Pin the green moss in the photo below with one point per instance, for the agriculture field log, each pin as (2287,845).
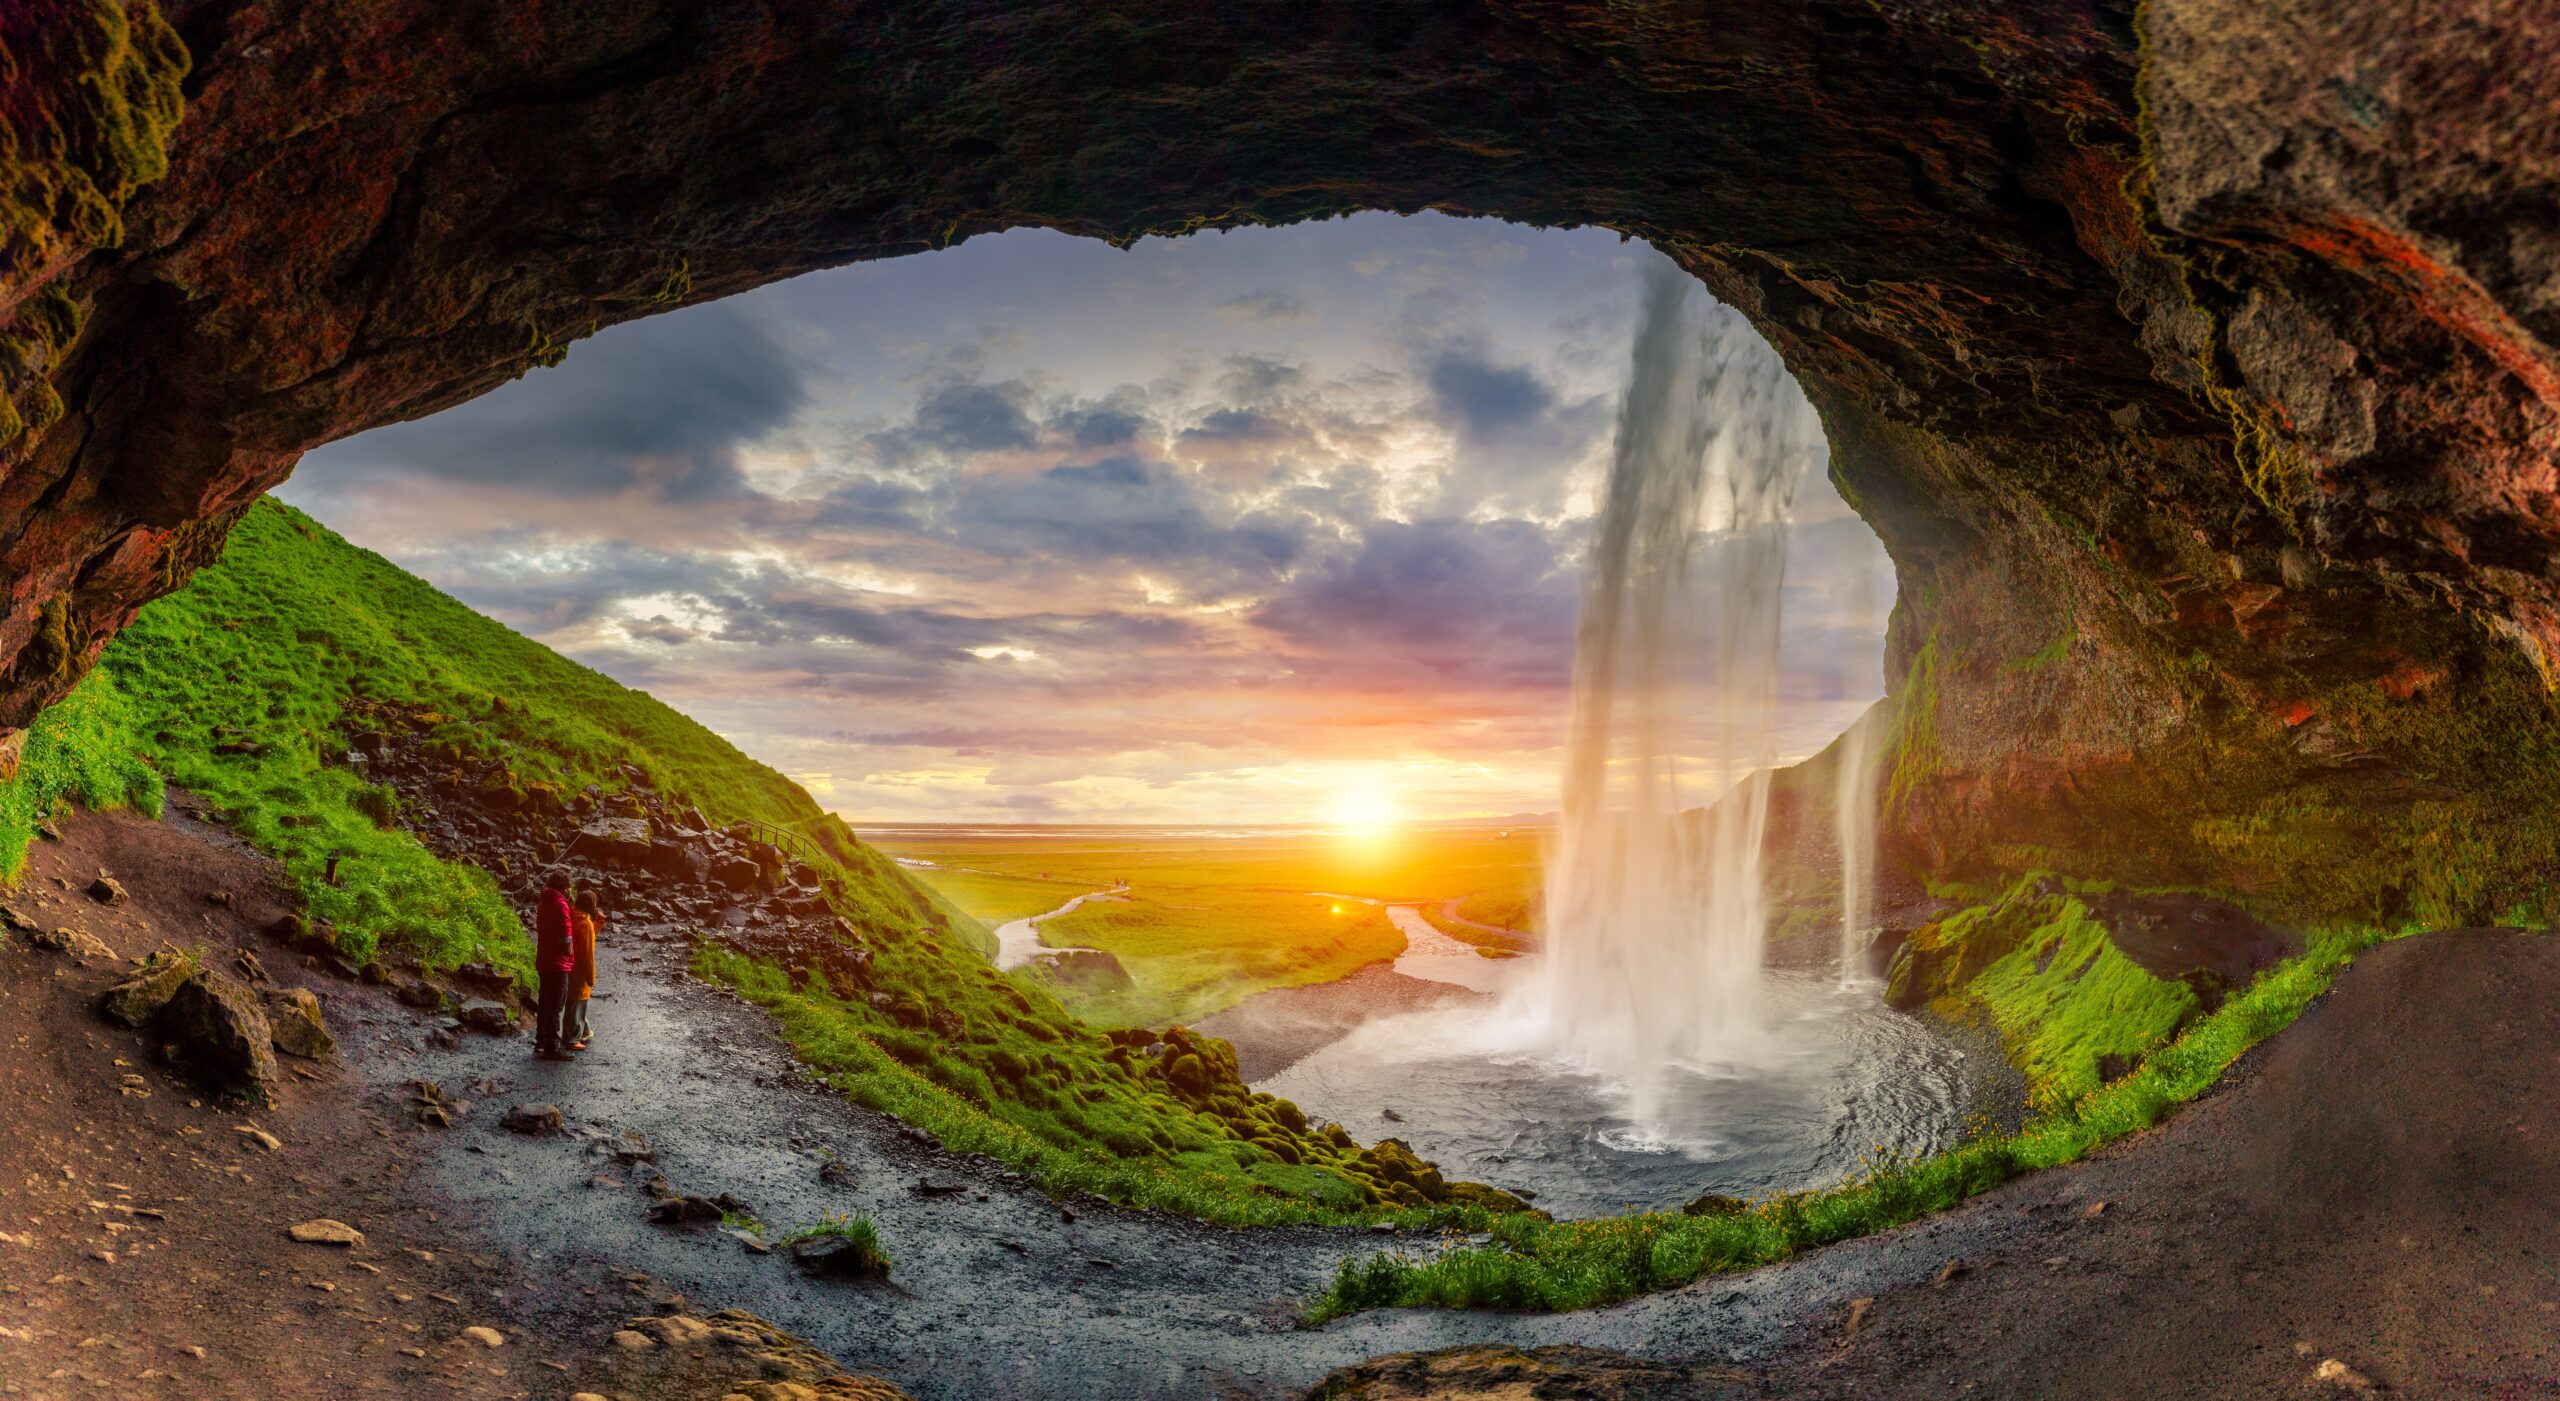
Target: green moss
(102,81)
(1914,760)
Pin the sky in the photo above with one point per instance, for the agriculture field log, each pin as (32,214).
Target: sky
(1264,526)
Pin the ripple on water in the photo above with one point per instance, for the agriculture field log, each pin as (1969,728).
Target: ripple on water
(1837,1077)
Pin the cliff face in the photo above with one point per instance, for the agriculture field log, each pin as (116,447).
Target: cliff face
(2197,365)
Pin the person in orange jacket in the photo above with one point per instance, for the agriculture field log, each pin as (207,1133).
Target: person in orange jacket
(582,973)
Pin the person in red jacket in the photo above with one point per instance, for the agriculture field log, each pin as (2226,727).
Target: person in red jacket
(553,958)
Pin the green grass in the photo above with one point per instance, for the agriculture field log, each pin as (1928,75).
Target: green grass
(1211,921)
(2054,986)
(1063,1110)
(1189,961)
(1532,1264)
(79,751)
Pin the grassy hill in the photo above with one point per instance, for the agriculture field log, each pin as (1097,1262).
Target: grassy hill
(248,685)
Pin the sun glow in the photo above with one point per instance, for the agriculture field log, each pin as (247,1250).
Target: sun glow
(1364,810)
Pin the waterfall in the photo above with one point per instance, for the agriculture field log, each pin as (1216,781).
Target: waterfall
(1854,800)
(1656,915)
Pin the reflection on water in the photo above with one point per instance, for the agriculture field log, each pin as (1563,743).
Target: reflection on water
(1834,1077)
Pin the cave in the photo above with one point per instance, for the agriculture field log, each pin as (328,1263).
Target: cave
(2194,361)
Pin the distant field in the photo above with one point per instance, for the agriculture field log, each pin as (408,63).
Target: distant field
(1212,920)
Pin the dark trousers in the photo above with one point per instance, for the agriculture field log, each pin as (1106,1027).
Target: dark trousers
(555,1001)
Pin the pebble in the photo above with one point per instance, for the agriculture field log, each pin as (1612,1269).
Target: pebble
(324,1231)
(484,1335)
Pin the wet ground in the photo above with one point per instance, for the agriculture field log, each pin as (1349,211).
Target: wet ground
(996,1292)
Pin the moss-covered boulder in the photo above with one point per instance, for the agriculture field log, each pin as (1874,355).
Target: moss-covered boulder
(138,999)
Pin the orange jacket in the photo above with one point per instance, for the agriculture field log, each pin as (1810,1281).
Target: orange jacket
(582,944)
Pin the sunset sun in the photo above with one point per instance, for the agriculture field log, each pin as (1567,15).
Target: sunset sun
(1365,810)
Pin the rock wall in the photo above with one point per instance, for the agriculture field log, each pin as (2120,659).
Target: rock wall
(2194,360)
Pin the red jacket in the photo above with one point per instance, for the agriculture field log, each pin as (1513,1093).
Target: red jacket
(551,950)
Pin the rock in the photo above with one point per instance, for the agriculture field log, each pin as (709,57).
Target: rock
(484,1335)
(219,899)
(2334,1373)
(434,1116)
(1950,1272)
(683,1211)
(259,1136)
(482,1015)
(754,1243)
(836,1257)
(1715,1204)
(48,831)
(834,1173)
(631,1340)
(417,993)
(295,1024)
(623,842)
(326,1231)
(245,962)
(934,1187)
(136,1000)
(1391,1116)
(534,1119)
(78,943)
(220,1033)
(487,979)
(106,891)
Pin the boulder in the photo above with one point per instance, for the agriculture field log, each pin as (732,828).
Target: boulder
(487,979)
(79,943)
(839,1257)
(219,1033)
(736,872)
(1716,1204)
(295,1024)
(677,860)
(483,1015)
(139,998)
(613,842)
(106,891)
(534,1119)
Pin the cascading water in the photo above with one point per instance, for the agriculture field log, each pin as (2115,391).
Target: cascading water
(1656,915)
(1646,1056)
(1854,803)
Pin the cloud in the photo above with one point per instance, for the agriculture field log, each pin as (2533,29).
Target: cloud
(627,411)
(1482,398)
(1268,307)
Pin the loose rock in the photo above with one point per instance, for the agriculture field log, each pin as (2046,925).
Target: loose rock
(325,1231)
(106,891)
(295,1024)
(484,1335)
(534,1119)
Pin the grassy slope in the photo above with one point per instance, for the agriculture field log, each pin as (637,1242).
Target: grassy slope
(264,652)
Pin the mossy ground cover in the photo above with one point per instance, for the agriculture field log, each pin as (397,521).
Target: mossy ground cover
(2044,973)
(1210,921)
(1532,1264)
